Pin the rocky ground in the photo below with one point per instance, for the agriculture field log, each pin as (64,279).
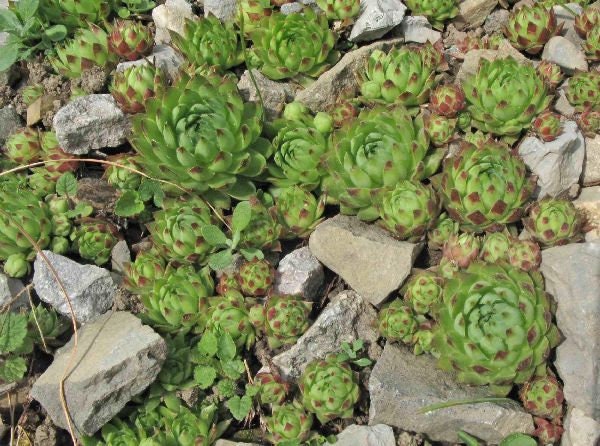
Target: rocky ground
(346,270)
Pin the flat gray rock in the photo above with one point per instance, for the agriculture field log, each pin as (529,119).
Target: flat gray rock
(10,121)
(170,16)
(378,435)
(223,9)
(12,293)
(376,18)
(572,276)
(300,273)
(90,122)
(116,358)
(564,53)
(366,256)
(162,56)
(580,430)
(91,289)
(474,12)
(401,384)
(591,169)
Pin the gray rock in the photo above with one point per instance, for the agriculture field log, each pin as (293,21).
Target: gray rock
(274,94)
(572,276)
(120,256)
(12,293)
(340,81)
(588,202)
(300,273)
(494,23)
(90,122)
(378,435)
(366,256)
(472,58)
(46,434)
(401,384)
(10,121)
(345,319)
(376,18)
(557,164)
(223,9)
(564,53)
(567,19)
(162,56)
(222,442)
(580,430)
(91,289)
(170,16)
(116,358)
(591,168)
(417,29)
(474,12)
(563,106)
(290,8)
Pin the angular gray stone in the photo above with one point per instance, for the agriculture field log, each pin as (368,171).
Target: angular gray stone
(12,292)
(90,122)
(274,94)
(378,435)
(367,257)
(222,442)
(591,168)
(474,12)
(340,81)
(401,384)
(562,104)
(345,319)
(116,358)
(417,29)
(300,273)
(588,202)
(120,256)
(580,430)
(572,276)
(558,164)
(564,53)
(494,23)
(162,56)
(376,18)
(91,289)
(290,8)
(567,19)
(170,16)
(10,121)
(223,9)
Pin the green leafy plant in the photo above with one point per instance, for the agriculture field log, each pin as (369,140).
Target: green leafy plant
(130,7)
(14,341)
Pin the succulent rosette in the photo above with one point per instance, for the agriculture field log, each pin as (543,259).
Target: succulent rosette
(440,129)
(543,397)
(462,249)
(423,338)
(177,370)
(252,12)
(403,75)
(121,177)
(52,151)
(285,319)
(495,246)
(89,48)
(94,239)
(441,231)
(17,266)
(23,146)
(546,431)
(494,326)
(133,86)
(437,11)
(255,277)
(272,389)
(263,231)
(591,45)
(201,132)
(585,21)
(373,153)
(339,9)
(177,230)
(583,90)
(530,27)
(179,300)
(504,96)
(397,322)
(292,45)
(409,209)
(423,291)
(550,73)
(525,254)
(485,188)
(229,314)
(289,422)
(447,100)
(553,221)
(298,211)
(74,13)
(209,42)
(130,40)
(329,389)
(299,156)
(141,274)
(589,123)
(343,112)
(547,126)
